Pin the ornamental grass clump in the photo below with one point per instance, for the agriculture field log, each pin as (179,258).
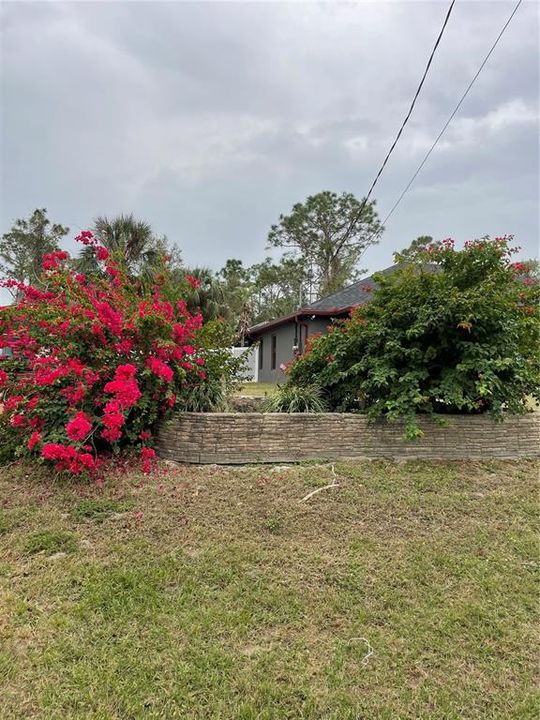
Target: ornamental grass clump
(295,399)
(97,361)
(457,331)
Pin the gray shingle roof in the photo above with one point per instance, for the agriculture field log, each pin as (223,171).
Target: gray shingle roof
(355,294)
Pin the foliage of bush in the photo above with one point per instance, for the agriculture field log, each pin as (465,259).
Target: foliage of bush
(296,399)
(454,332)
(98,360)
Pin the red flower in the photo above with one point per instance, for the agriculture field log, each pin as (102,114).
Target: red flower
(125,372)
(102,253)
(78,428)
(112,434)
(124,347)
(193,281)
(124,386)
(86,238)
(113,420)
(3,378)
(159,368)
(74,395)
(148,455)
(35,438)
(67,458)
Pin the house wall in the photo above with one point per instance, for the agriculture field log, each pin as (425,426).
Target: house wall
(258,438)
(285,339)
(285,336)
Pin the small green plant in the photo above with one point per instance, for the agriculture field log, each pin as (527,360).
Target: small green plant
(99,509)
(296,399)
(50,542)
(273,525)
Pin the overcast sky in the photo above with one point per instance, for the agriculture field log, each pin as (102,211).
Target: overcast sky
(209,119)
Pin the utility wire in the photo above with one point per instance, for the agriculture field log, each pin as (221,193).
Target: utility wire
(403,124)
(447,123)
(417,93)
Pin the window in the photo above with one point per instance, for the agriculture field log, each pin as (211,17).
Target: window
(261,354)
(274,347)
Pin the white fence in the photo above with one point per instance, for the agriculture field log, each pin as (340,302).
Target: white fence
(251,365)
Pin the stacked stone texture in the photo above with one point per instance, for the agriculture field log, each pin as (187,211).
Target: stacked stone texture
(236,438)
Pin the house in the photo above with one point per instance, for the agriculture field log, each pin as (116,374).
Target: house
(280,340)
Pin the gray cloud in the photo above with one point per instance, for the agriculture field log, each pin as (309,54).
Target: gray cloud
(209,119)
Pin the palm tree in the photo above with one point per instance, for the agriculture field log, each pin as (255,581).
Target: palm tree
(130,240)
(208,298)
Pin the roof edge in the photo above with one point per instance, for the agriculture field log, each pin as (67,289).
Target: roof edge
(298,315)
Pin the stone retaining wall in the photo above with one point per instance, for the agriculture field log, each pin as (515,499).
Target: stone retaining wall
(235,438)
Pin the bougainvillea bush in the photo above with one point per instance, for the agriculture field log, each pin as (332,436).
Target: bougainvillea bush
(96,361)
(457,331)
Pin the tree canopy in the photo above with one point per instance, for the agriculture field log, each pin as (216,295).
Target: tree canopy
(23,247)
(328,234)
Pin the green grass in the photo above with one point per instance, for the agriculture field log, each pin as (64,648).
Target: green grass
(213,593)
(49,542)
(100,508)
(254,389)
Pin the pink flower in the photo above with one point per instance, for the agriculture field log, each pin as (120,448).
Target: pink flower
(3,378)
(102,253)
(78,428)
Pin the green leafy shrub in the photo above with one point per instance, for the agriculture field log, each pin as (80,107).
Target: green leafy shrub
(455,332)
(296,399)
(222,370)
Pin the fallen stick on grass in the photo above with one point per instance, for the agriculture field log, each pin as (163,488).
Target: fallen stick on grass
(370,650)
(333,484)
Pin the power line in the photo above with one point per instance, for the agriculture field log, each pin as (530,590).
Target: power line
(447,123)
(403,124)
(417,93)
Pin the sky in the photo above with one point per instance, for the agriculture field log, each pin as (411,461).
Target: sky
(210,119)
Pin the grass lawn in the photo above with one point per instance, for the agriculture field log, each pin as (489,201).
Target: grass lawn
(254,389)
(210,593)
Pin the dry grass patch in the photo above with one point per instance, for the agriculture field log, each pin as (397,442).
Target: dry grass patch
(409,591)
